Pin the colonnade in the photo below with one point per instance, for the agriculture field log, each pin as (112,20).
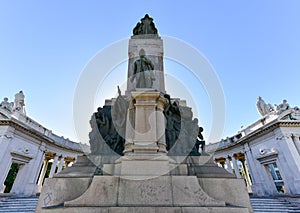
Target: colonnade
(58,162)
(230,163)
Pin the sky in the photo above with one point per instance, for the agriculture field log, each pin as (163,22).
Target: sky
(253,46)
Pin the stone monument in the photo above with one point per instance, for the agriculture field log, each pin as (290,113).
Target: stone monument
(144,151)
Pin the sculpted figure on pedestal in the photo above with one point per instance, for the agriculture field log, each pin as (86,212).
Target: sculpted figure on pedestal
(295,114)
(282,107)
(200,144)
(6,105)
(146,26)
(173,124)
(19,102)
(181,130)
(143,71)
(119,115)
(262,107)
(111,122)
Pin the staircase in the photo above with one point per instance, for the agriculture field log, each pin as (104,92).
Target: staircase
(18,204)
(267,205)
(274,205)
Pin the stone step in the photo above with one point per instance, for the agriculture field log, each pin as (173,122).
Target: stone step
(273,205)
(19,204)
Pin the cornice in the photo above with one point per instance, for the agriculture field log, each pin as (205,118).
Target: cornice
(35,134)
(260,132)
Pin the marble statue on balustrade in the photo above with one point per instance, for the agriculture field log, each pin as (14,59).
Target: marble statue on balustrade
(19,102)
(262,107)
(295,114)
(146,26)
(282,107)
(143,73)
(7,105)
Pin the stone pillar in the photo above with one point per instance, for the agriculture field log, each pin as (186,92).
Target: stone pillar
(61,163)
(6,139)
(42,174)
(247,177)
(290,171)
(221,161)
(236,168)
(297,142)
(69,160)
(145,131)
(229,168)
(146,154)
(254,171)
(53,167)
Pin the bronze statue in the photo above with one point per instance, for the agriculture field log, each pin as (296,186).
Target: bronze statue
(143,71)
(146,26)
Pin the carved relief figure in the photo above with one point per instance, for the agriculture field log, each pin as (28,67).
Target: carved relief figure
(143,71)
(173,124)
(181,130)
(111,122)
(119,115)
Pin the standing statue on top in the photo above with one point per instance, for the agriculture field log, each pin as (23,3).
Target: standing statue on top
(19,104)
(143,71)
(262,107)
(146,26)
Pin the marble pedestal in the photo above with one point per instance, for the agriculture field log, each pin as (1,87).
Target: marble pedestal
(179,191)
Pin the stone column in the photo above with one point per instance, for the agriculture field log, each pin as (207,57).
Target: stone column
(221,161)
(290,171)
(229,168)
(6,139)
(254,171)
(61,163)
(42,174)
(236,168)
(53,167)
(69,160)
(297,143)
(247,177)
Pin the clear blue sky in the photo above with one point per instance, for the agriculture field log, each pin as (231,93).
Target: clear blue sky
(254,47)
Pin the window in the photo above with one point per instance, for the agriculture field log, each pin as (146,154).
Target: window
(276,177)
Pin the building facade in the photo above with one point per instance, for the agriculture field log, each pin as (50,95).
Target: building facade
(29,151)
(266,153)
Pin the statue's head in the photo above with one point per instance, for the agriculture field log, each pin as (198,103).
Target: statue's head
(5,99)
(142,53)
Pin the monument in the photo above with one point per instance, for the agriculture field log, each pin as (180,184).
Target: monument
(145,151)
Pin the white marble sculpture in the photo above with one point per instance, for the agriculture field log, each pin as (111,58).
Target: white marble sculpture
(262,107)
(6,105)
(19,102)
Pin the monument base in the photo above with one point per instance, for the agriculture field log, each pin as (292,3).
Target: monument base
(83,209)
(179,191)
